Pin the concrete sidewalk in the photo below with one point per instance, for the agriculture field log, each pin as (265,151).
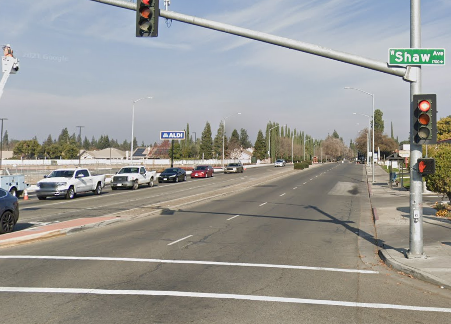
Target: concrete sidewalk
(391,213)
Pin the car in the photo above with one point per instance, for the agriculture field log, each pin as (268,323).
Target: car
(202,171)
(280,163)
(132,177)
(9,211)
(172,175)
(235,167)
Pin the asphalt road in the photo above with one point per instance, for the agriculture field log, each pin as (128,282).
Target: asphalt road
(297,249)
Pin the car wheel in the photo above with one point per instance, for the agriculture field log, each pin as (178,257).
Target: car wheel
(184,178)
(151,182)
(70,194)
(135,185)
(98,189)
(42,197)
(159,181)
(13,192)
(176,179)
(7,222)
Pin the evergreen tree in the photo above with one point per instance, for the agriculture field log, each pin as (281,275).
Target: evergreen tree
(64,136)
(244,139)
(206,144)
(260,146)
(378,121)
(86,144)
(218,141)
(5,141)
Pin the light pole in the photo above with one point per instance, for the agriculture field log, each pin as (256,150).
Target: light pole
(292,145)
(372,153)
(367,138)
(79,153)
(270,140)
(1,144)
(133,123)
(223,137)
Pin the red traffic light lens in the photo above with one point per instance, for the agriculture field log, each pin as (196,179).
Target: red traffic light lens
(146,2)
(424,105)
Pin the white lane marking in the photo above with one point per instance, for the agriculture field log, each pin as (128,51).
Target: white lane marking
(180,240)
(311,179)
(282,194)
(263,204)
(295,188)
(232,217)
(221,296)
(256,265)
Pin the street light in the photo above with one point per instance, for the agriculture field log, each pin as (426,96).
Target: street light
(372,153)
(367,138)
(223,138)
(1,143)
(270,140)
(133,123)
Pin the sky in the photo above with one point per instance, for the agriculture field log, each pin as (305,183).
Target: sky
(81,65)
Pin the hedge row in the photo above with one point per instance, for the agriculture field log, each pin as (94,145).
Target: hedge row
(302,165)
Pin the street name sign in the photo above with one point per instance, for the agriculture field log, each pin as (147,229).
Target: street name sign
(416,56)
(172,135)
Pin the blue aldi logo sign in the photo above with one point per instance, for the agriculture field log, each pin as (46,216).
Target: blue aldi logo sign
(172,135)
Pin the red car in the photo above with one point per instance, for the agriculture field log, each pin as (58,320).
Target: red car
(202,171)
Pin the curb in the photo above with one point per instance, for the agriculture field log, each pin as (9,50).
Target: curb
(418,274)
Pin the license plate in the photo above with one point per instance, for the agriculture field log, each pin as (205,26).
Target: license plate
(165,178)
(119,184)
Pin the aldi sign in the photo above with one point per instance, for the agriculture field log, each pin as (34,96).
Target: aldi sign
(172,135)
(416,56)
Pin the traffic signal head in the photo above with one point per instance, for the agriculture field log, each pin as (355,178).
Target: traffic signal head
(147,13)
(426,166)
(424,119)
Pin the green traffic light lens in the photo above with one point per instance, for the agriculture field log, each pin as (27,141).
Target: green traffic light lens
(424,133)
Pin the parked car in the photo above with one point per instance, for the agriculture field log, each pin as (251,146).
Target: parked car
(132,177)
(202,171)
(9,211)
(69,182)
(235,167)
(280,163)
(172,175)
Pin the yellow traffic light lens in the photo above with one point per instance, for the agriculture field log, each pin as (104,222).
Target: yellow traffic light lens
(424,105)
(424,119)
(145,12)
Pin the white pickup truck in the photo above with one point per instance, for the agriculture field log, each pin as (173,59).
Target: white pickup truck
(132,177)
(69,182)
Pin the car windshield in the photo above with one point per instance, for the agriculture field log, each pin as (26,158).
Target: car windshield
(61,174)
(279,161)
(128,170)
(201,167)
(170,170)
(234,164)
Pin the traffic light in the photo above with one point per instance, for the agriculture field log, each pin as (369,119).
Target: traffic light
(424,119)
(426,166)
(147,13)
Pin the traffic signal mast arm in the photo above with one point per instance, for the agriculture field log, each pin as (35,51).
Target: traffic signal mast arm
(275,40)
